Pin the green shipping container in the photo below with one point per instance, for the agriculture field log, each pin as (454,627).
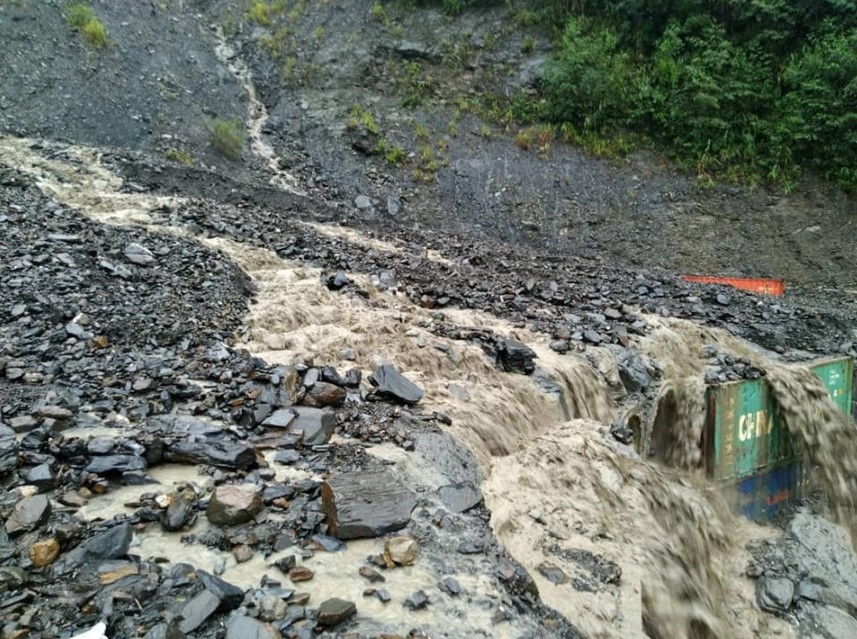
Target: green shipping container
(742,433)
(837,375)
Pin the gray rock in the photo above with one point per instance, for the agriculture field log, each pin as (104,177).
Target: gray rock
(230,596)
(317,424)
(394,205)
(384,595)
(110,544)
(460,498)
(515,357)
(552,573)
(775,594)
(362,202)
(282,418)
(367,503)
(196,611)
(138,254)
(633,372)
(833,623)
(592,337)
(824,550)
(111,464)
(334,611)
(8,450)
(11,578)
(41,476)
(559,345)
(166,631)
(243,627)
(391,383)
(180,512)
(23,423)
(450,586)
(28,514)
(416,601)
(224,454)
(288,456)
(234,505)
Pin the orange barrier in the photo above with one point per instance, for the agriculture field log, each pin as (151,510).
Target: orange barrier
(768,287)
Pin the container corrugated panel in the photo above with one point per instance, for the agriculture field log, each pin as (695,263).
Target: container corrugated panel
(763,494)
(743,434)
(837,375)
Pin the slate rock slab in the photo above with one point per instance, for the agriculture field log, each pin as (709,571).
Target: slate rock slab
(391,383)
(366,504)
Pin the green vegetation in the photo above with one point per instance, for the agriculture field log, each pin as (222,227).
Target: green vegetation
(393,155)
(177,155)
(363,117)
(82,19)
(737,90)
(378,13)
(259,12)
(227,136)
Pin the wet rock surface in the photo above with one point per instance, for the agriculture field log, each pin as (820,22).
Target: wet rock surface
(810,576)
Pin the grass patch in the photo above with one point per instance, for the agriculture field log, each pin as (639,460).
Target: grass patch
(81,18)
(359,116)
(227,136)
(177,155)
(393,155)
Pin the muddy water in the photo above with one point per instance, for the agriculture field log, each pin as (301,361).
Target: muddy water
(829,439)
(680,556)
(257,117)
(555,484)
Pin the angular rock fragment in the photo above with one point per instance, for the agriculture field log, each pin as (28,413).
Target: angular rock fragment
(367,503)
(391,383)
(215,453)
(461,497)
(515,357)
(316,424)
(323,394)
(234,505)
(243,627)
(112,464)
(110,544)
(28,514)
(334,611)
(230,596)
(401,551)
(197,611)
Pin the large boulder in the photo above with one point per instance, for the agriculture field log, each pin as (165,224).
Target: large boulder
(366,503)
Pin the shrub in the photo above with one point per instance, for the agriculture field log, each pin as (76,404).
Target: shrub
(78,15)
(82,19)
(227,136)
(259,12)
(96,33)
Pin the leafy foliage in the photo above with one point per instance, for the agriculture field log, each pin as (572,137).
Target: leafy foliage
(739,89)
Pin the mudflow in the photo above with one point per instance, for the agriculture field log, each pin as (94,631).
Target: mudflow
(563,500)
